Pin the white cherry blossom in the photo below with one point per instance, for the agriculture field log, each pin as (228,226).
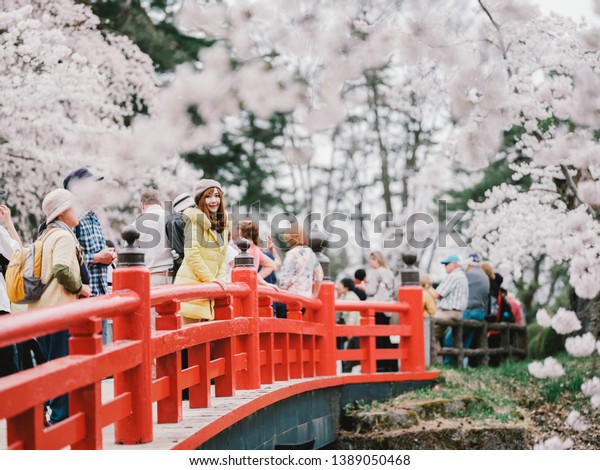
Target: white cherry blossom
(550,368)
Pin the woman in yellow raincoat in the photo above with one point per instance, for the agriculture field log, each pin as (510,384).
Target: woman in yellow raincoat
(207,231)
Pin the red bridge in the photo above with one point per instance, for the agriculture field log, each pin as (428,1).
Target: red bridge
(254,381)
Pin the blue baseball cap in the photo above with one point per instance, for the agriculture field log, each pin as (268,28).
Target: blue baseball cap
(80,174)
(450,259)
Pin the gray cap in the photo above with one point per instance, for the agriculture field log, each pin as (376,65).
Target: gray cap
(182,202)
(203,185)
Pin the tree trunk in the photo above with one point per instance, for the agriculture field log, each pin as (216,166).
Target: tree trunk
(383,152)
(410,167)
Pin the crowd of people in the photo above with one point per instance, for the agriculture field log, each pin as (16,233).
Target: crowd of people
(192,241)
(74,264)
(470,291)
(375,284)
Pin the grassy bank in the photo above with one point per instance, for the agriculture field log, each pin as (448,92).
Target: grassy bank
(509,394)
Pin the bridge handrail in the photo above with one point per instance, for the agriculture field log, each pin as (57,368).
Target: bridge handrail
(288,297)
(364,306)
(22,326)
(244,348)
(195,291)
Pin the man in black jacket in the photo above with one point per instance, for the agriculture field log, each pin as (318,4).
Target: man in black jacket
(175,226)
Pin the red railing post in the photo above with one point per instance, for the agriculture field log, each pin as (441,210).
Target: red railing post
(87,339)
(297,350)
(309,348)
(225,349)
(294,311)
(199,356)
(169,409)
(249,378)
(412,345)
(326,344)
(267,346)
(25,431)
(136,428)
(281,349)
(368,365)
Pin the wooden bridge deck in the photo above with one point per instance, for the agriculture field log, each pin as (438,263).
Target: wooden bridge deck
(169,435)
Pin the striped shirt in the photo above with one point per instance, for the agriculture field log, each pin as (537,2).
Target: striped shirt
(454,291)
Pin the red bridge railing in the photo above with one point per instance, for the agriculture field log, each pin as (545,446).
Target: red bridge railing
(243,348)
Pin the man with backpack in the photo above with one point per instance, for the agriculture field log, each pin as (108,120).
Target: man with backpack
(151,225)
(175,228)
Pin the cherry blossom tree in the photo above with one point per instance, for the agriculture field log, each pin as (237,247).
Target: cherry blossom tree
(504,66)
(323,65)
(71,95)
(66,92)
(552,68)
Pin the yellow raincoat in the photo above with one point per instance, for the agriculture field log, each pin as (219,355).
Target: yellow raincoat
(204,260)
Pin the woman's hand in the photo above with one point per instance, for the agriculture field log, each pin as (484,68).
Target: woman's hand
(5,215)
(270,244)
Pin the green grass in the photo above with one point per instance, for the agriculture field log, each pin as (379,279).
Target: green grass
(506,391)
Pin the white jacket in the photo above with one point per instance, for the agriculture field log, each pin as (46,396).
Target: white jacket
(7,247)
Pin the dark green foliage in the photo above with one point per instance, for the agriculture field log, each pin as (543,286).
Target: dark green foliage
(533,335)
(533,346)
(494,175)
(550,342)
(571,383)
(244,160)
(161,40)
(545,343)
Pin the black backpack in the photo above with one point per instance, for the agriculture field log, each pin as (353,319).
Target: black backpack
(3,264)
(175,230)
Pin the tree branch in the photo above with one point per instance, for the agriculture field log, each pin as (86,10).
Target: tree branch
(573,189)
(503,48)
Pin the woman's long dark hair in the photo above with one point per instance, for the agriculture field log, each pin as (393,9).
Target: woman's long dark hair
(218,220)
